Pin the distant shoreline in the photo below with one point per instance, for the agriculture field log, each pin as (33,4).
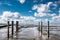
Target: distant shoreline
(3,26)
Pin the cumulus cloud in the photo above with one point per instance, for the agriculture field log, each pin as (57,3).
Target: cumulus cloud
(41,7)
(9,16)
(21,1)
(55,20)
(43,10)
(15,16)
(57,17)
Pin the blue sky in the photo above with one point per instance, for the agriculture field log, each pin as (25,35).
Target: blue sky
(35,10)
(23,8)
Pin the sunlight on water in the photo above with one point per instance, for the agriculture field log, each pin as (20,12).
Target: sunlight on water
(28,33)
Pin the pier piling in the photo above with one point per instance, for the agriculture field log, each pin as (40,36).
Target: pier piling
(48,29)
(8,30)
(41,28)
(16,26)
(12,28)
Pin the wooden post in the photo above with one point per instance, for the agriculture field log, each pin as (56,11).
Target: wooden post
(12,28)
(48,29)
(16,26)
(8,30)
(41,28)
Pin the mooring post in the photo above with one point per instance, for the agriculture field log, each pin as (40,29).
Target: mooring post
(12,28)
(48,29)
(41,28)
(16,26)
(8,30)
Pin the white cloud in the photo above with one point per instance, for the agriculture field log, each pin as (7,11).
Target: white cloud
(55,20)
(21,1)
(39,14)
(52,15)
(57,17)
(42,10)
(50,3)
(34,7)
(9,14)
(5,3)
(42,7)
(28,18)
(15,16)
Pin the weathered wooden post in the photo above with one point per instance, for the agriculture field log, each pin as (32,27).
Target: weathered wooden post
(12,28)
(8,30)
(48,29)
(16,26)
(41,28)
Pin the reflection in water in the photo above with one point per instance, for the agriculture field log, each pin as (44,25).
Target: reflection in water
(26,34)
